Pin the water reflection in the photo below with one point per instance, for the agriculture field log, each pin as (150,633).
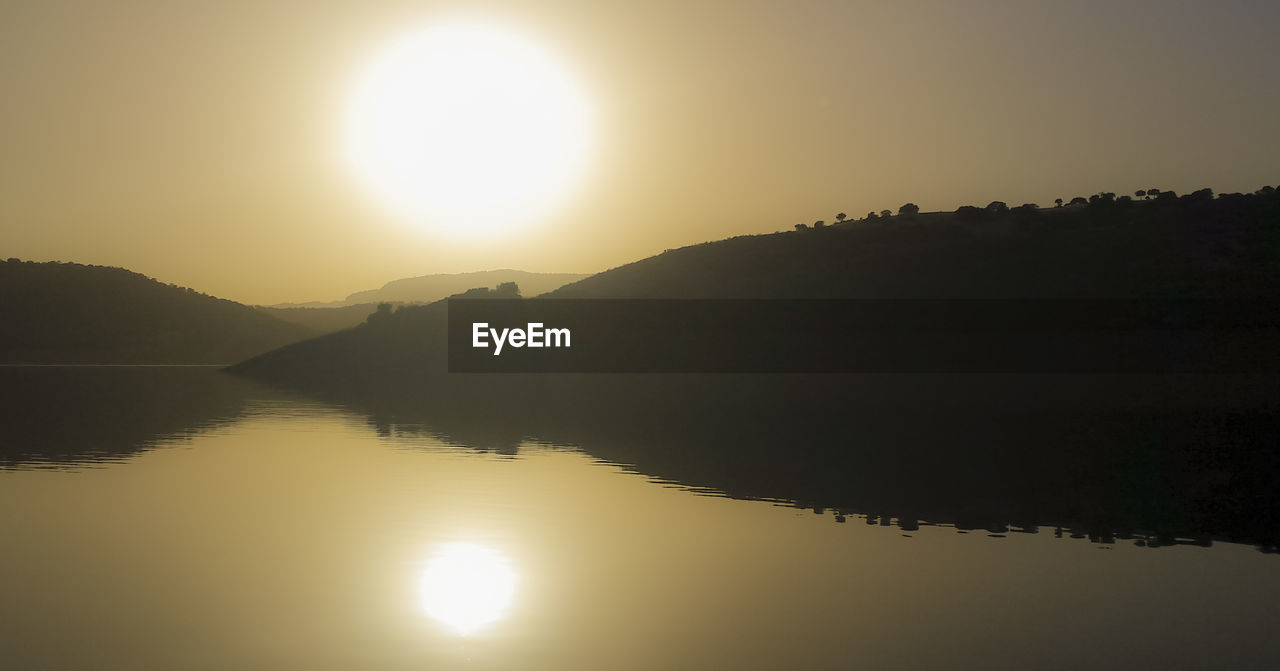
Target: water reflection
(1159,460)
(1155,473)
(305,538)
(467,586)
(61,417)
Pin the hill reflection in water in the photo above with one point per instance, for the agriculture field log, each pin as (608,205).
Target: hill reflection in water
(1155,459)
(75,416)
(997,455)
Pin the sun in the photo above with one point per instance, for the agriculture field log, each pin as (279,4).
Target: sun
(466,586)
(468,128)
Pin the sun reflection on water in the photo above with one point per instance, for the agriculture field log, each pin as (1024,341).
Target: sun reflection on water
(466,586)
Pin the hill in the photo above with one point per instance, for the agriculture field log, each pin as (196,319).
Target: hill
(71,313)
(1196,246)
(1193,246)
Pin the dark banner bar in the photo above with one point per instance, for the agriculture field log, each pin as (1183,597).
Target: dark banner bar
(862,336)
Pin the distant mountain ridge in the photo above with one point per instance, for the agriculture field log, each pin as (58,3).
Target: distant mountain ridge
(431,288)
(69,313)
(319,319)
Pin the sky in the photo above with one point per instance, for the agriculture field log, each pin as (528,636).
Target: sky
(200,143)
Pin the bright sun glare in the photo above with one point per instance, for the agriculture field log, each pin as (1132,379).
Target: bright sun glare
(467,586)
(468,128)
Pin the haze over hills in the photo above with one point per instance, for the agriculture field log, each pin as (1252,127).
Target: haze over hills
(321,317)
(429,288)
(320,320)
(68,313)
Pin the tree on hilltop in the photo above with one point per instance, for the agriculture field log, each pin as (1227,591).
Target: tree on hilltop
(380,315)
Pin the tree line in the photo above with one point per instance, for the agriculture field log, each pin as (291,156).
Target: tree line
(1101,201)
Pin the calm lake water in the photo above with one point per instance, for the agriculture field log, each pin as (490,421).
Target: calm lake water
(164,518)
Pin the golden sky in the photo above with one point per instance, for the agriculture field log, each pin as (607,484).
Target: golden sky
(199,142)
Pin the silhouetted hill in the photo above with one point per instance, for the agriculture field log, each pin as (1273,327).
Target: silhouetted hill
(1193,246)
(72,313)
(1189,247)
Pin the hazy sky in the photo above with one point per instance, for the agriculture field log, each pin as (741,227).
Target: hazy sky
(199,143)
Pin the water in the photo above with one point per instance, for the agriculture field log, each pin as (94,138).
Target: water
(179,518)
